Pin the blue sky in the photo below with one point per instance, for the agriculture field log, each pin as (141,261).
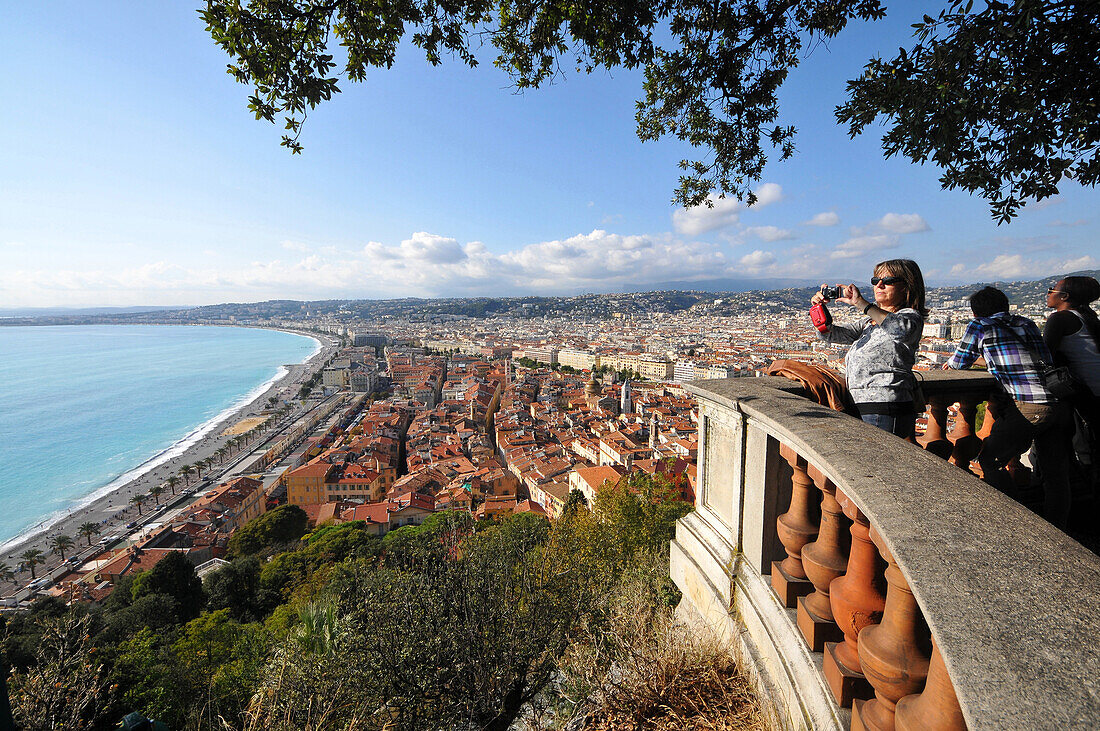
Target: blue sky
(132,173)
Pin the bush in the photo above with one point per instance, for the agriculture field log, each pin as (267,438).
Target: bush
(283,525)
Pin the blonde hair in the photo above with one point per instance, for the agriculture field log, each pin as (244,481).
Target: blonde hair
(913,280)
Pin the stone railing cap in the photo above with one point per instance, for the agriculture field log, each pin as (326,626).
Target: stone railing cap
(1013,603)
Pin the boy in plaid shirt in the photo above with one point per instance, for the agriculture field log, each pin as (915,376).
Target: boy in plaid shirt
(1013,351)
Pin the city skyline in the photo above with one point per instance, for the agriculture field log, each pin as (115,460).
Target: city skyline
(136,176)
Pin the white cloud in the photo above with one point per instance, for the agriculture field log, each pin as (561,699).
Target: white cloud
(757,259)
(1082,262)
(1003,266)
(1045,203)
(861,245)
(1068,224)
(902,223)
(427,247)
(767,194)
(1016,266)
(424,264)
(721,212)
(893,223)
(770,233)
(296,246)
(827,218)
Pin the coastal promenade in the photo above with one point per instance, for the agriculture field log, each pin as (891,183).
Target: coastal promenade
(117,517)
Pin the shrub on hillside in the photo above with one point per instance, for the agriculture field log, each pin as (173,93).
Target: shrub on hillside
(283,525)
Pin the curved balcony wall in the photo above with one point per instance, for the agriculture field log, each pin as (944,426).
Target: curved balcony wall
(964,609)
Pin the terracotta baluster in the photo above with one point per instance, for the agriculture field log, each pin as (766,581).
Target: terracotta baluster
(823,560)
(935,435)
(967,443)
(857,600)
(894,653)
(1019,474)
(936,708)
(796,528)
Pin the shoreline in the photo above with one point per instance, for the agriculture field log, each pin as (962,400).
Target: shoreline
(100,507)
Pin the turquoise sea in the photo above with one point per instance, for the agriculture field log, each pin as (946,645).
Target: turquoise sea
(83,407)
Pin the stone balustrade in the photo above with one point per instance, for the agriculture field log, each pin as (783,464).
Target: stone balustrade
(870,583)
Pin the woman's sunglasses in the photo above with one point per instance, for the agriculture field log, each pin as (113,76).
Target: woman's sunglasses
(885,281)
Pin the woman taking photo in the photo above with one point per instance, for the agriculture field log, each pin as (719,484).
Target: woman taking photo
(1072,333)
(879,365)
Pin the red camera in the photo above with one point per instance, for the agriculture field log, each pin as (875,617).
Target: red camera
(821,317)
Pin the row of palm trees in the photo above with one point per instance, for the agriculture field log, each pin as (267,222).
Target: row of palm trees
(231,447)
(61,544)
(33,557)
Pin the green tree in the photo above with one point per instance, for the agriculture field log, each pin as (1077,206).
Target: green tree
(173,576)
(31,558)
(66,686)
(284,524)
(235,588)
(1000,97)
(641,510)
(462,642)
(172,482)
(142,672)
(7,573)
(217,664)
(60,544)
(155,492)
(127,616)
(89,529)
(139,500)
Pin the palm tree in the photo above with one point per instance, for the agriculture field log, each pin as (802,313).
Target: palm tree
(31,558)
(198,466)
(6,572)
(139,500)
(156,491)
(186,471)
(220,452)
(172,482)
(60,544)
(88,530)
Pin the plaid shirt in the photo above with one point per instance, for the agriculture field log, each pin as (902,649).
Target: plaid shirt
(1013,350)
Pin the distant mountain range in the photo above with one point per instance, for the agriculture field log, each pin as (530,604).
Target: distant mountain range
(741,295)
(77,311)
(721,285)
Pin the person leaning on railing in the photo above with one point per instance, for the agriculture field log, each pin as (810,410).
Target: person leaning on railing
(879,365)
(1014,352)
(1072,334)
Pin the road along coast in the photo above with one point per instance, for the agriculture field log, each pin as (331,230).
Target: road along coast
(110,508)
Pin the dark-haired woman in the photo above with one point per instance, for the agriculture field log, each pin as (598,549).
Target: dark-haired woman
(879,365)
(1072,333)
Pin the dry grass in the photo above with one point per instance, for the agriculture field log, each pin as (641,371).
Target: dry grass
(649,672)
(694,685)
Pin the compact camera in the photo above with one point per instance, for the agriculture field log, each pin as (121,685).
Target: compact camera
(832,293)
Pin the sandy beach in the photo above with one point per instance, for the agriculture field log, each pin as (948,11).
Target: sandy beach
(112,512)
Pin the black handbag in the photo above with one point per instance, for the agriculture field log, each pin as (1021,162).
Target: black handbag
(1059,381)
